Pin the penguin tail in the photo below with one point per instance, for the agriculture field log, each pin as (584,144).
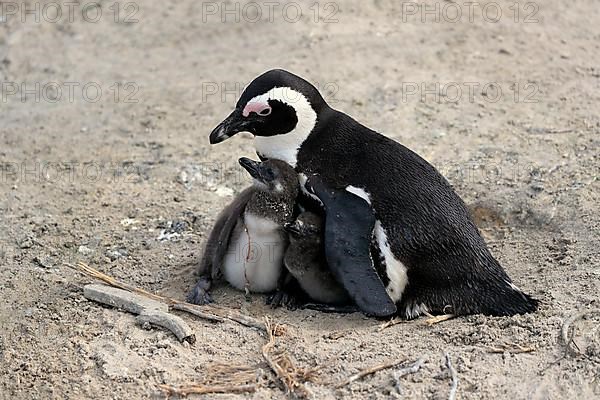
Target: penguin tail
(511,300)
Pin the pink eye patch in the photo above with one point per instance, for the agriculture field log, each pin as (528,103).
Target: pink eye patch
(257,107)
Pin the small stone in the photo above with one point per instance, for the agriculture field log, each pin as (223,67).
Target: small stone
(114,255)
(179,226)
(223,191)
(128,222)
(42,262)
(84,250)
(537,187)
(25,243)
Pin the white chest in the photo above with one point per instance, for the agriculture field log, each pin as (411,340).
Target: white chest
(281,147)
(254,259)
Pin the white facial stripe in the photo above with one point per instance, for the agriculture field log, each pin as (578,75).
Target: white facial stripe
(285,146)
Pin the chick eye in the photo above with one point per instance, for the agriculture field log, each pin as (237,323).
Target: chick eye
(264,112)
(270,174)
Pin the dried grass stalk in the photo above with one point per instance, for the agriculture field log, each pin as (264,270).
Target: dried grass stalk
(280,363)
(514,348)
(203,389)
(368,371)
(221,378)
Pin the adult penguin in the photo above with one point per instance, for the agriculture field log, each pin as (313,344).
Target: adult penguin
(434,258)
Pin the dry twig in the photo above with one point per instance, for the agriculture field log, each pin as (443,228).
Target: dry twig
(567,337)
(567,333)
(432,320)
(454,376)
(411,369)
(368,371)
(189,308)
(235,316)
(514,348)
(391,322)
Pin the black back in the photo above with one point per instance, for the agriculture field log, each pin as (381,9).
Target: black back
(429,228)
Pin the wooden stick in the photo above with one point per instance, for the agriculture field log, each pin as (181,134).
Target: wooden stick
(218,314)
(566,336)
(202,389)
(453,374)
(123,299)
(89,271)
(197,312)
(148,310)
(170,322)
(210,312)
(368,371)
(241,319)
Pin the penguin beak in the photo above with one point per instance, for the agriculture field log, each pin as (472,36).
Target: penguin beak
(230,126)
(253,167)
(292,227)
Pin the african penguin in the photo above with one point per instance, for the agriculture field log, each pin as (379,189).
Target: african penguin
(247,242)
(435,258)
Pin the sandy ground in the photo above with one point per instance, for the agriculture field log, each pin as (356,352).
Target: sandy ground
(128,183)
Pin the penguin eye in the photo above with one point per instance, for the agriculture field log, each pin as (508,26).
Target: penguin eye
(270,174)
(264,112)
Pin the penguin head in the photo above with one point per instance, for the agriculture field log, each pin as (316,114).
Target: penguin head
(307,226)
(274,176)
(280,109)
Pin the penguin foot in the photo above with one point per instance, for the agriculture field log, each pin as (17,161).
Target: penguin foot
(200,293)
(282,298)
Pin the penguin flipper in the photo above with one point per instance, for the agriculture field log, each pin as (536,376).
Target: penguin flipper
(218,240)
(349,223)
(217,245)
